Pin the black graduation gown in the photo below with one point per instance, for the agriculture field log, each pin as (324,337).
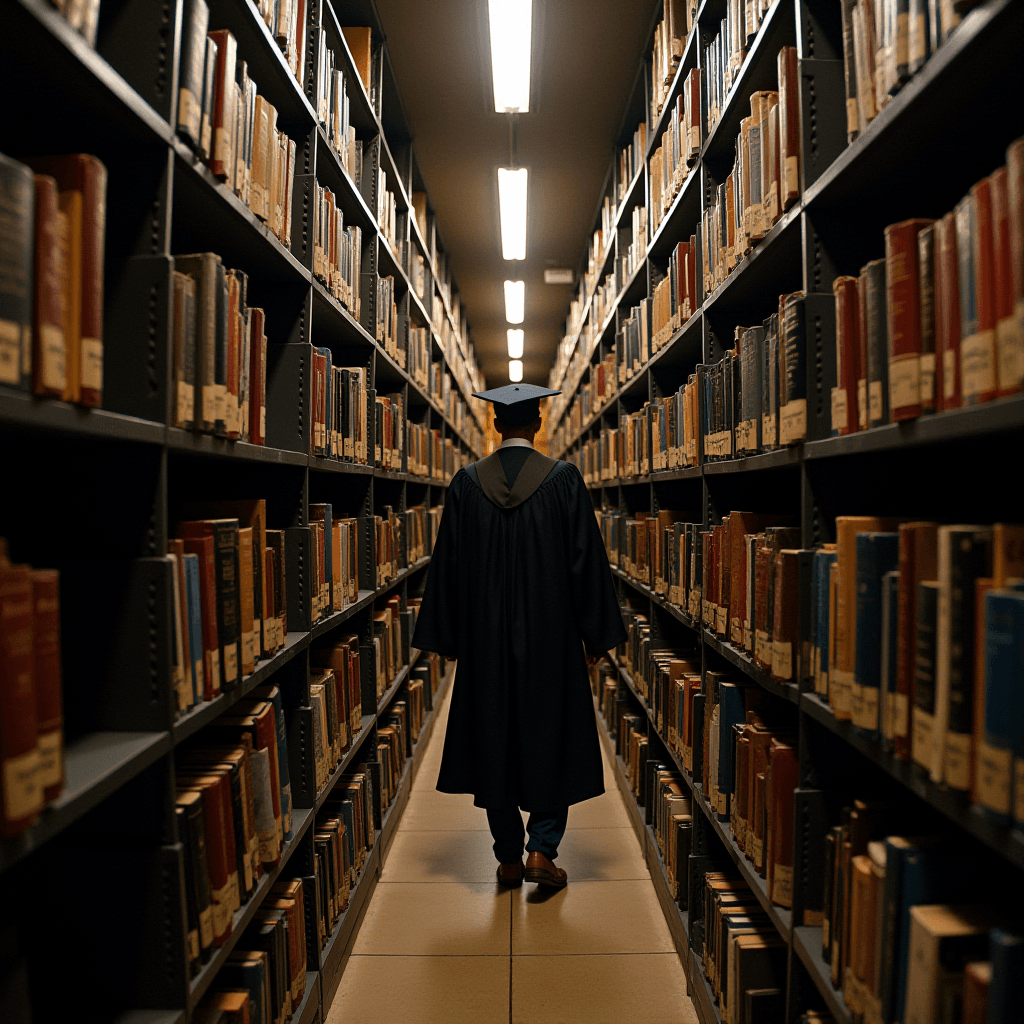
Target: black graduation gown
(516,588)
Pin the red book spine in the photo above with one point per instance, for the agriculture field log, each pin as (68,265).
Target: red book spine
(784,778)
(904,316)
(978,353)
(266,736)
(947,315)
(1009,340)
(218,857)
(49,365)
(94,222)
(47,678)
(848,368)
(257,380)
(203,547)
(789,127)
(19,752)
(222,157)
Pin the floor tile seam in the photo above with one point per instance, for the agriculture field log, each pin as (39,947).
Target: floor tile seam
(437,956)
(483,879)
(520,956)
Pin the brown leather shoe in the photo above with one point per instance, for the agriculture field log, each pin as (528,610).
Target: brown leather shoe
(511,875)
(539,869)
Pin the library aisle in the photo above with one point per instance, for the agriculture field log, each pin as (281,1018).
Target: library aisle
(448,946)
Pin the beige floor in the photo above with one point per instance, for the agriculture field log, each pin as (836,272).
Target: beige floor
(442,944)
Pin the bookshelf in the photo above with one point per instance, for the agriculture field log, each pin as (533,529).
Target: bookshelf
(948,466)
(95,492)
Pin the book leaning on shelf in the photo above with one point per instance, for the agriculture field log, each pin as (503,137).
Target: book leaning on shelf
(31,715)
(229,125)
(51,298)
(219,351)
(679,149)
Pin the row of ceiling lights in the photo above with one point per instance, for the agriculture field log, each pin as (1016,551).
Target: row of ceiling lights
(510,23)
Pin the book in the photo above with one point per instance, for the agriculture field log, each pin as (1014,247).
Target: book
(82,196)
(51,289)
(46,681)
(195,21)
(876,554)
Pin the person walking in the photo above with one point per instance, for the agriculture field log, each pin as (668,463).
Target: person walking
(520,593)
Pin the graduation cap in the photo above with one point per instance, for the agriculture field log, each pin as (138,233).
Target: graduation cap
(516,405)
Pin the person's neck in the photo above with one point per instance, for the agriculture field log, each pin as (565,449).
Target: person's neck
(521,435)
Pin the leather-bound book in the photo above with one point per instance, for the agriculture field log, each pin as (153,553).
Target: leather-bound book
(903,309)
(947,315)
(926,292)
(789,126)
(272,694)
(786,607)
(49,358)
(46,673)
(359,40)
(876,554)
(224,533)
(17,234)
(22,792)
(202,548)
(209,395)
(925,664)
(194,23)
(257,378)
(246,604)
(848,369)
(1009,336)
(85,177)
(223,112)
(188,807)
(184,351)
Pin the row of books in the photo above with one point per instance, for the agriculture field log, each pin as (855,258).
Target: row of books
(334,110)
(747,770)
(335,699)
(723,58)
(677,19)
(764,181)
(229,594)
(263,980)
(219,351)
(885,43)
(679,149)
(906,628)
(389,427)
(343,836)
(632,256)
(386,328)
(939,321)
(52,257)
(394,744)
(335,577)
(234,815)
(631,159)
(288,24)
(229,125)
(913,639)
(337,251)
(31,726)
(339,425)
(899,937)
(387,213)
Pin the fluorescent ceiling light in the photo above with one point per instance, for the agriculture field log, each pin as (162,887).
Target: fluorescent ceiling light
(510,23)
(515,301)
(559,276)
(515,343)
(512,184)
(515,370)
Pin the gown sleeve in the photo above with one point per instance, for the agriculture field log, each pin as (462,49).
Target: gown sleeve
(597,608)
(437,625)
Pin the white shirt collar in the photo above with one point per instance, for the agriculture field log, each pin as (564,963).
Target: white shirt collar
(515,442)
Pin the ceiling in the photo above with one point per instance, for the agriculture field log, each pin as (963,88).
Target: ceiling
(585,58)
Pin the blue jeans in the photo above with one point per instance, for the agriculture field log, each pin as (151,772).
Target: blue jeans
(546,829)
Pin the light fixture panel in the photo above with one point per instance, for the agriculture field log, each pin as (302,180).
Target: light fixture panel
(515,343)
(512,186)
(515,370)
(515,301)
(558,275)
(511,27)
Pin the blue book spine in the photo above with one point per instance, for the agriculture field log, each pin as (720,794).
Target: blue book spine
(1006,990)
(251,976)
(731,711)
(890,606)
(195,626)
(877,554)
(1004,704)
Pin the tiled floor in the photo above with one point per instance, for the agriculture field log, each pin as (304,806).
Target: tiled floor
(441,943)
